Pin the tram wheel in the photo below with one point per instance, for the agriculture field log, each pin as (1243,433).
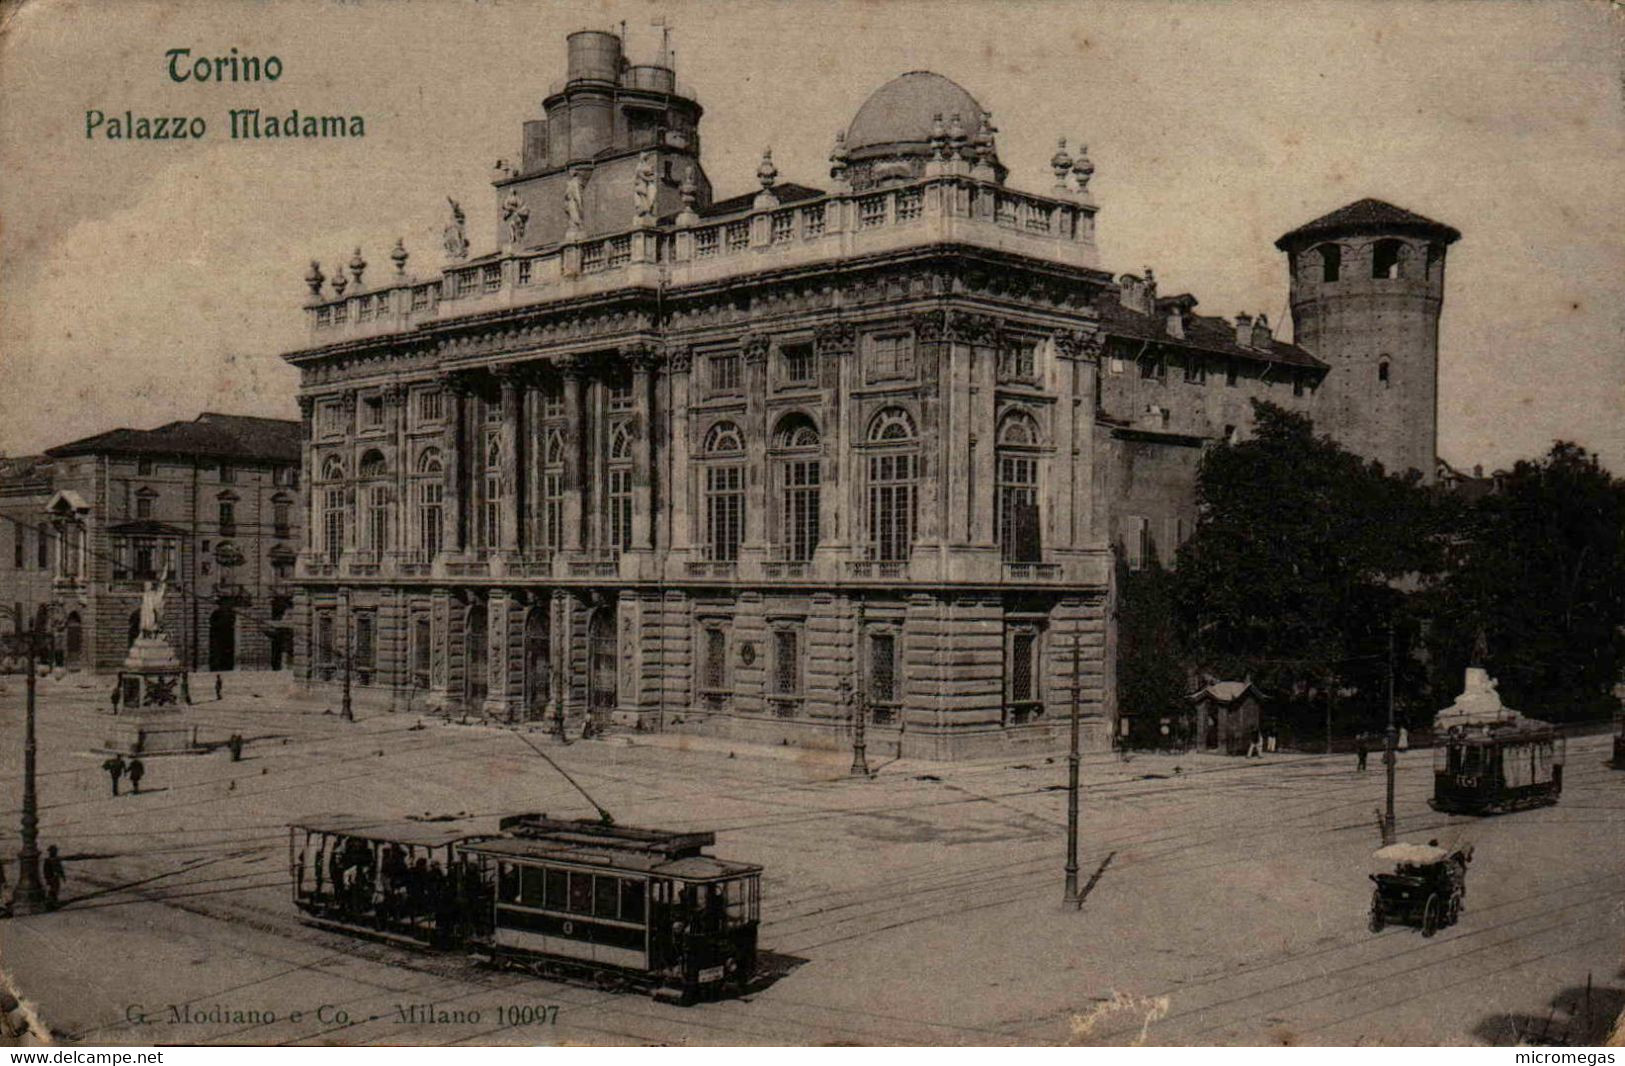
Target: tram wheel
(1430,916)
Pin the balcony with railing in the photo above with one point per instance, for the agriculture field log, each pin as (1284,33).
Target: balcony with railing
(950,209)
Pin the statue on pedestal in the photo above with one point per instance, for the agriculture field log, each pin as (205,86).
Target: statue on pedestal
(152,605)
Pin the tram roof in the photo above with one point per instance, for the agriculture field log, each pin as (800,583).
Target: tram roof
(400,831)
(689,867)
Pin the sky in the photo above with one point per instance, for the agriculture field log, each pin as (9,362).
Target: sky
(145,282)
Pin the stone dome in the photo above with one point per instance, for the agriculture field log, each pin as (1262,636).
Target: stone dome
(900,113)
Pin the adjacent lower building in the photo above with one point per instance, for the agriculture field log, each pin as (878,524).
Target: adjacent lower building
(211,505)
(768,466)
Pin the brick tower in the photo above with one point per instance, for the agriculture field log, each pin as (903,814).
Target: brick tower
(1367,288)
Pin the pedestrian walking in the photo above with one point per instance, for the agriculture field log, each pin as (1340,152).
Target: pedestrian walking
(235,744)
(136,770)
(54,874)
(2,877)
(1404,739)
(115,770)
(116,696)
(1361,749)
(218,687)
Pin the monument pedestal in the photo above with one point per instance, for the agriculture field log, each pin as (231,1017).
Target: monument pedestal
(152,686)
(152,676)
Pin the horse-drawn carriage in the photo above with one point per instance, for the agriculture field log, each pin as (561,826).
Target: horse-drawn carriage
(1424,889)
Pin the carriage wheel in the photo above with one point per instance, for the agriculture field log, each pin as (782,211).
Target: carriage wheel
(1430,916)
(1375,922)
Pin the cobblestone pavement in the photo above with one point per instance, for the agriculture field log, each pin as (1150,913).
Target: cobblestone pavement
(921,905)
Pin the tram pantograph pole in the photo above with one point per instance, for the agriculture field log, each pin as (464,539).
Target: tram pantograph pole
(1071,897)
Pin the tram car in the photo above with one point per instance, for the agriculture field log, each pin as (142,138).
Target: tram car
(634,907)
(1495,770)
(578,899)
(394,880)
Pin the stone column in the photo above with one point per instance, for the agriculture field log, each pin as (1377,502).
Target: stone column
(834,344)
(574,443)
(679,490)
(753,349)
(352,509)
(307,467)
(973,334)
(936,428)
(451,508)
(643,362)
(395,396)
(508,528)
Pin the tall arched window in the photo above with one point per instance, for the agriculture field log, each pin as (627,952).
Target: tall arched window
(618,491)
(1331,262)
(893,469)
(333,507)
(553,490)
(724,453)
(799,474)
(1017,512)
(374,472)
(430,489)
(1385,258)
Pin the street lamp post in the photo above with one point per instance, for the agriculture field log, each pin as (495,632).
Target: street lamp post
(860,757)
(29,896)
(1389,756)
(347,712)
(1071,897)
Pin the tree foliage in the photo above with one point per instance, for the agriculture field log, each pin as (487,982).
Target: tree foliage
(1538,567)
(1301,562)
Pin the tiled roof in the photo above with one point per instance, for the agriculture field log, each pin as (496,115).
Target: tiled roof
(211,434)
(1368,214)
(1202,332)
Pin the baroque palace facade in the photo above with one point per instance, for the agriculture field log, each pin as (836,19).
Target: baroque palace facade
(759,465)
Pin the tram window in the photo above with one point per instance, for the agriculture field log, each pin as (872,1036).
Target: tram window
(606,897)
(508,882)
(737,902)
(557,897)
(632,901)
(581,893)
(532,892)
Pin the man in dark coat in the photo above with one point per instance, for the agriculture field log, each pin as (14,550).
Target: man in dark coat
(136,771)
(1361,747)
(115,770)
(54,874)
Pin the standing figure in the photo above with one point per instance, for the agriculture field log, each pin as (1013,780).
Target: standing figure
(115,770)
(219,688)
(54,874)
(517,216)
(573,190)
(118,694)
(136,770)
(235,745)
(152,604)
(456,234)
(643,188)
(1361,749)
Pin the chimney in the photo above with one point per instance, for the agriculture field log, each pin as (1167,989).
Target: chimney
(1132,292)
(1150,291)
(1478,469)
(1261,332)
(1244,329)
(1176,322)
